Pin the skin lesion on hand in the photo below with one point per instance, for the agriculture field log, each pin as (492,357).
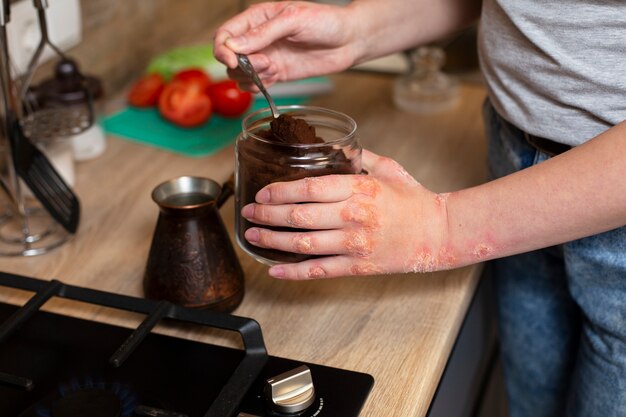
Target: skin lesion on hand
(434,253)
(303,243)
(358,243)
(316,272)
(366,268)
(300,217)
(314,187)
(482,251)
(365,185)
(360,212)
(423,260)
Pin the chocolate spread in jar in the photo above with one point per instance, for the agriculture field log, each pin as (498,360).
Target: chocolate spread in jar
(273,160)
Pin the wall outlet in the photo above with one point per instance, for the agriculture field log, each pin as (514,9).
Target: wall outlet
(64,30)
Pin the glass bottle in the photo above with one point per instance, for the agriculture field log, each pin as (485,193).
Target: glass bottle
(425,89)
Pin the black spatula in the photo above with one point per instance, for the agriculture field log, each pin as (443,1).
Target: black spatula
(34,168)
(31,165)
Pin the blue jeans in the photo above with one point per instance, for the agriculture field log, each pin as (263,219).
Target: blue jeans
(562,310)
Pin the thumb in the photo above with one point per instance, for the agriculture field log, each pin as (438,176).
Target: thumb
(385,168)
(260,37)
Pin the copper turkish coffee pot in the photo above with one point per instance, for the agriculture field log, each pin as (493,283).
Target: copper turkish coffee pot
(192,261)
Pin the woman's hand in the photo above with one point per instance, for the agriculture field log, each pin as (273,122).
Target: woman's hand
(384,222)
(287,40)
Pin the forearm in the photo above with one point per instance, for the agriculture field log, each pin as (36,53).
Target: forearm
(573,195)
(383,27)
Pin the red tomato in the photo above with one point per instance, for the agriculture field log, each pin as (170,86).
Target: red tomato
(146,91)
(185,104)
(193,75)
(228,100)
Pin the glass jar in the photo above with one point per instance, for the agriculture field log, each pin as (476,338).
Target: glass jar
(260,162)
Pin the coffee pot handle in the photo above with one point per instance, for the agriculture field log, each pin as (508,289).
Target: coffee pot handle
(228,189)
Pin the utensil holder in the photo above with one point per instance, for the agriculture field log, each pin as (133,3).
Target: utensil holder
(25,229)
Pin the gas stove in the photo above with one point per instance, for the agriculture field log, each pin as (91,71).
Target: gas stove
(53,365)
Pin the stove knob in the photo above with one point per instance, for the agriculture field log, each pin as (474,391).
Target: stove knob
(292,391)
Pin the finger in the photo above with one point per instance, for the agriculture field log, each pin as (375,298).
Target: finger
(325,189)
(301,216)
(357,242)
(259,36)
(349,213)
(385,168)
(327,267)
(237,26)
(260,62)
(241,23)
(224,55)
(242,80)
(369,159)
(262,65)
(248,86)
(239,77)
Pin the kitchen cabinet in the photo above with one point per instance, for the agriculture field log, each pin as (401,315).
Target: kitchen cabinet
(400,329)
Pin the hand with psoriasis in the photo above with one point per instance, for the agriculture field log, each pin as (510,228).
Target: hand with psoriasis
(384,222)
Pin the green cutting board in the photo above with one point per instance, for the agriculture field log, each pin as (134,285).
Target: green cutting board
(146,126)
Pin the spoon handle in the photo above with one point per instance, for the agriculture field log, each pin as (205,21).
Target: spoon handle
(246,66)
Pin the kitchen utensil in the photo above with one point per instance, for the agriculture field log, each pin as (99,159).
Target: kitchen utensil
(246,66)
(29,162)
(192,261)
(52,115)
(42,178)
(8,210)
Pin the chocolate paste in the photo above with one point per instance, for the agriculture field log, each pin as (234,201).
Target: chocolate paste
(262,163)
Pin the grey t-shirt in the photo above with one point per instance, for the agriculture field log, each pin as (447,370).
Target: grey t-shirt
(556,69)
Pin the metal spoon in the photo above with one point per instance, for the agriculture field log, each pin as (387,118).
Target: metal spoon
(246,66)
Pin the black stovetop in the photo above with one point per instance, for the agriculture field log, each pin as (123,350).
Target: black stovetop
(53,365)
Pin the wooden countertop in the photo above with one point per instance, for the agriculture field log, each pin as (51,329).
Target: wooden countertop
(400,329)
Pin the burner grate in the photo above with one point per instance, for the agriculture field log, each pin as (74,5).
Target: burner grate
(229,398)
